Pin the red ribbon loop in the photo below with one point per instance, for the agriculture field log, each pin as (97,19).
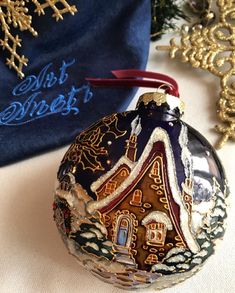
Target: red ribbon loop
(138,78)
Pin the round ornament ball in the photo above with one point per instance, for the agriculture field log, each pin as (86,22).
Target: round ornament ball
(141,196)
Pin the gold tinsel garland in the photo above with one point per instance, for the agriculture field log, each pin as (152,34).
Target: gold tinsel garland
(213,49)
(14,13)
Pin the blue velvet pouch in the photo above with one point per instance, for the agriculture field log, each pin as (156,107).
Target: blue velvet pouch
(53,102)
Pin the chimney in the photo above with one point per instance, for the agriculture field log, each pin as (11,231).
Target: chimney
(131,143)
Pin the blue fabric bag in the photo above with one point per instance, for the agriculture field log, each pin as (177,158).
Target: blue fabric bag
(53,102)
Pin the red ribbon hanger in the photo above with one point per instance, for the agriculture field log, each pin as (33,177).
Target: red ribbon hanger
(138,78)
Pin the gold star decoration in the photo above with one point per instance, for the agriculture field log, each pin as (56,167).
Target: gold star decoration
(212,48)
(14,14)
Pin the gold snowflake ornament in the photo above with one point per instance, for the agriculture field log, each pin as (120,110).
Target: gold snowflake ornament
(14,13)
(213,49)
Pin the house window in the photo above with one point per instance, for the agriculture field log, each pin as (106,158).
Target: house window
(137,198)
(156,169)
(156,234)
(133,138)
(124,223)
(151,259)
(124,173)
(110,187)
(106,220)
(155,172)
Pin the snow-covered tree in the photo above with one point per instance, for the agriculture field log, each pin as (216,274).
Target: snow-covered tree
(91,237)
(216,219)
(180,260)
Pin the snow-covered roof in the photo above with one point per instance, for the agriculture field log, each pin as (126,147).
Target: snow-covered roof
(122,161)
(158,134)
(158,216)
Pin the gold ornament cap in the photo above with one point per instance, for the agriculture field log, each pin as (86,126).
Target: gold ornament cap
(160,98)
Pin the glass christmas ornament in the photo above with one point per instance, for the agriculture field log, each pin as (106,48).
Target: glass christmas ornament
(141,195)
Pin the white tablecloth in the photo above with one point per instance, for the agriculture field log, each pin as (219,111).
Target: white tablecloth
(32,255)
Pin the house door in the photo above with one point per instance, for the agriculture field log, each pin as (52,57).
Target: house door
(123,232)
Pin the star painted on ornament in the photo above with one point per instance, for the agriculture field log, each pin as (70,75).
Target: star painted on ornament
(14,14)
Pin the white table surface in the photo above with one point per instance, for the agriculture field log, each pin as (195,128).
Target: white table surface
(32,255)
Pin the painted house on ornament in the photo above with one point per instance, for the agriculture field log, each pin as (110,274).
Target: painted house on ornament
(141,205)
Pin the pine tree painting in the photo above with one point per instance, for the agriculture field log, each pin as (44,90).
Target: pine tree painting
(180,260)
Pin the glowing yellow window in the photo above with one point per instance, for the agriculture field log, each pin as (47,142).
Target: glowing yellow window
(156,169)
(124,223)
(124,173)
(157,224)
(151,259)
(110,187)
(137,198)
(156,234)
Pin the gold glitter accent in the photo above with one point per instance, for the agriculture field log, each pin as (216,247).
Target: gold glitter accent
(213,49)
(88,147)
(159,99)
(15,14)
